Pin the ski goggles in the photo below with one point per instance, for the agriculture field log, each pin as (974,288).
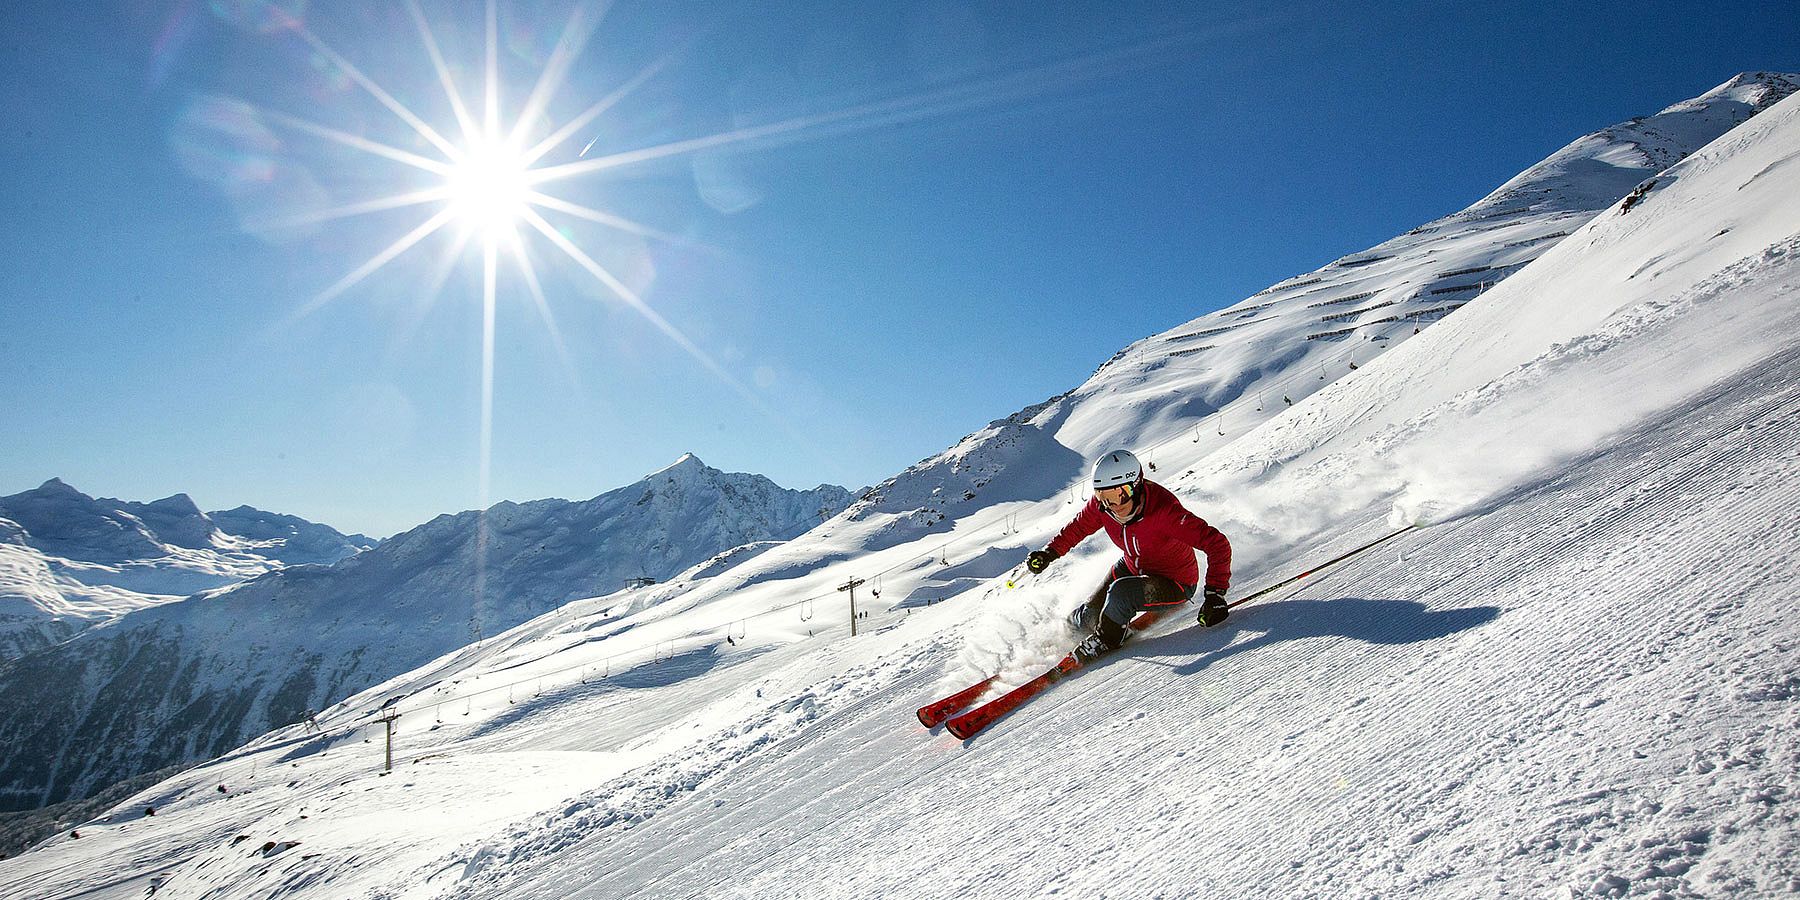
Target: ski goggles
(1117,495)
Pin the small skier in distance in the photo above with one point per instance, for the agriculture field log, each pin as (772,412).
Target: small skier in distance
(1158,538)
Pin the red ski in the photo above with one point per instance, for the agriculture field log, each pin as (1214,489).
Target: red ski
(965,725)
(931,715)
(986,714)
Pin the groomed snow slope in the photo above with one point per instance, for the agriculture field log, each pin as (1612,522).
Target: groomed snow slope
(1588,689)
(1581,682)
(1576,680)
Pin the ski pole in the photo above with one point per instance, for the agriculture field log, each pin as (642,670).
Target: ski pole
(1012,576)
(1322,566)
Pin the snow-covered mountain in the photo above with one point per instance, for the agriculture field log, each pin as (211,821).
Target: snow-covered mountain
(189,680)
(292,540)
(1574,679)
(69,561)
(1212,379)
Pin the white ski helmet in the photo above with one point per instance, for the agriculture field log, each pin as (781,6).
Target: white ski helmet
(1116,468)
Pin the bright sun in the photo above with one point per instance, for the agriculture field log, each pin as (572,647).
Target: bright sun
(487,190)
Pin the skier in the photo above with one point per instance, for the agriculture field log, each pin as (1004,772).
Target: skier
(1158,538)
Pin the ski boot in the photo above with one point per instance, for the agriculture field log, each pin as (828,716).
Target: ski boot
(1091,648)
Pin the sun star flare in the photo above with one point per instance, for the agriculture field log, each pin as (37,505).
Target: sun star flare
(488,189)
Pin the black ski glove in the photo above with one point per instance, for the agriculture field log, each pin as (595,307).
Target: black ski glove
(1039,560)
(1213,609)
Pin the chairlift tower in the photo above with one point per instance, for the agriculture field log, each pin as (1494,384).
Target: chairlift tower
(390,713)
(851,587)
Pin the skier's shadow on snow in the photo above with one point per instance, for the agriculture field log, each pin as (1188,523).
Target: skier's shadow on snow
(1374,621)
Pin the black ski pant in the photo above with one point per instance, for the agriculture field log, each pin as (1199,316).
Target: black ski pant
(1121,597)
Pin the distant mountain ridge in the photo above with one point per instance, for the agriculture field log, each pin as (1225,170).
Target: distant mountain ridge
(188,680)
(69,561)
(61,520)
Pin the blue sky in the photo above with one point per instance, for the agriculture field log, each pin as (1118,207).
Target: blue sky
(991,200)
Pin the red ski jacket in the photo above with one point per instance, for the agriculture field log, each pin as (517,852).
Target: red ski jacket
(1159,540)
